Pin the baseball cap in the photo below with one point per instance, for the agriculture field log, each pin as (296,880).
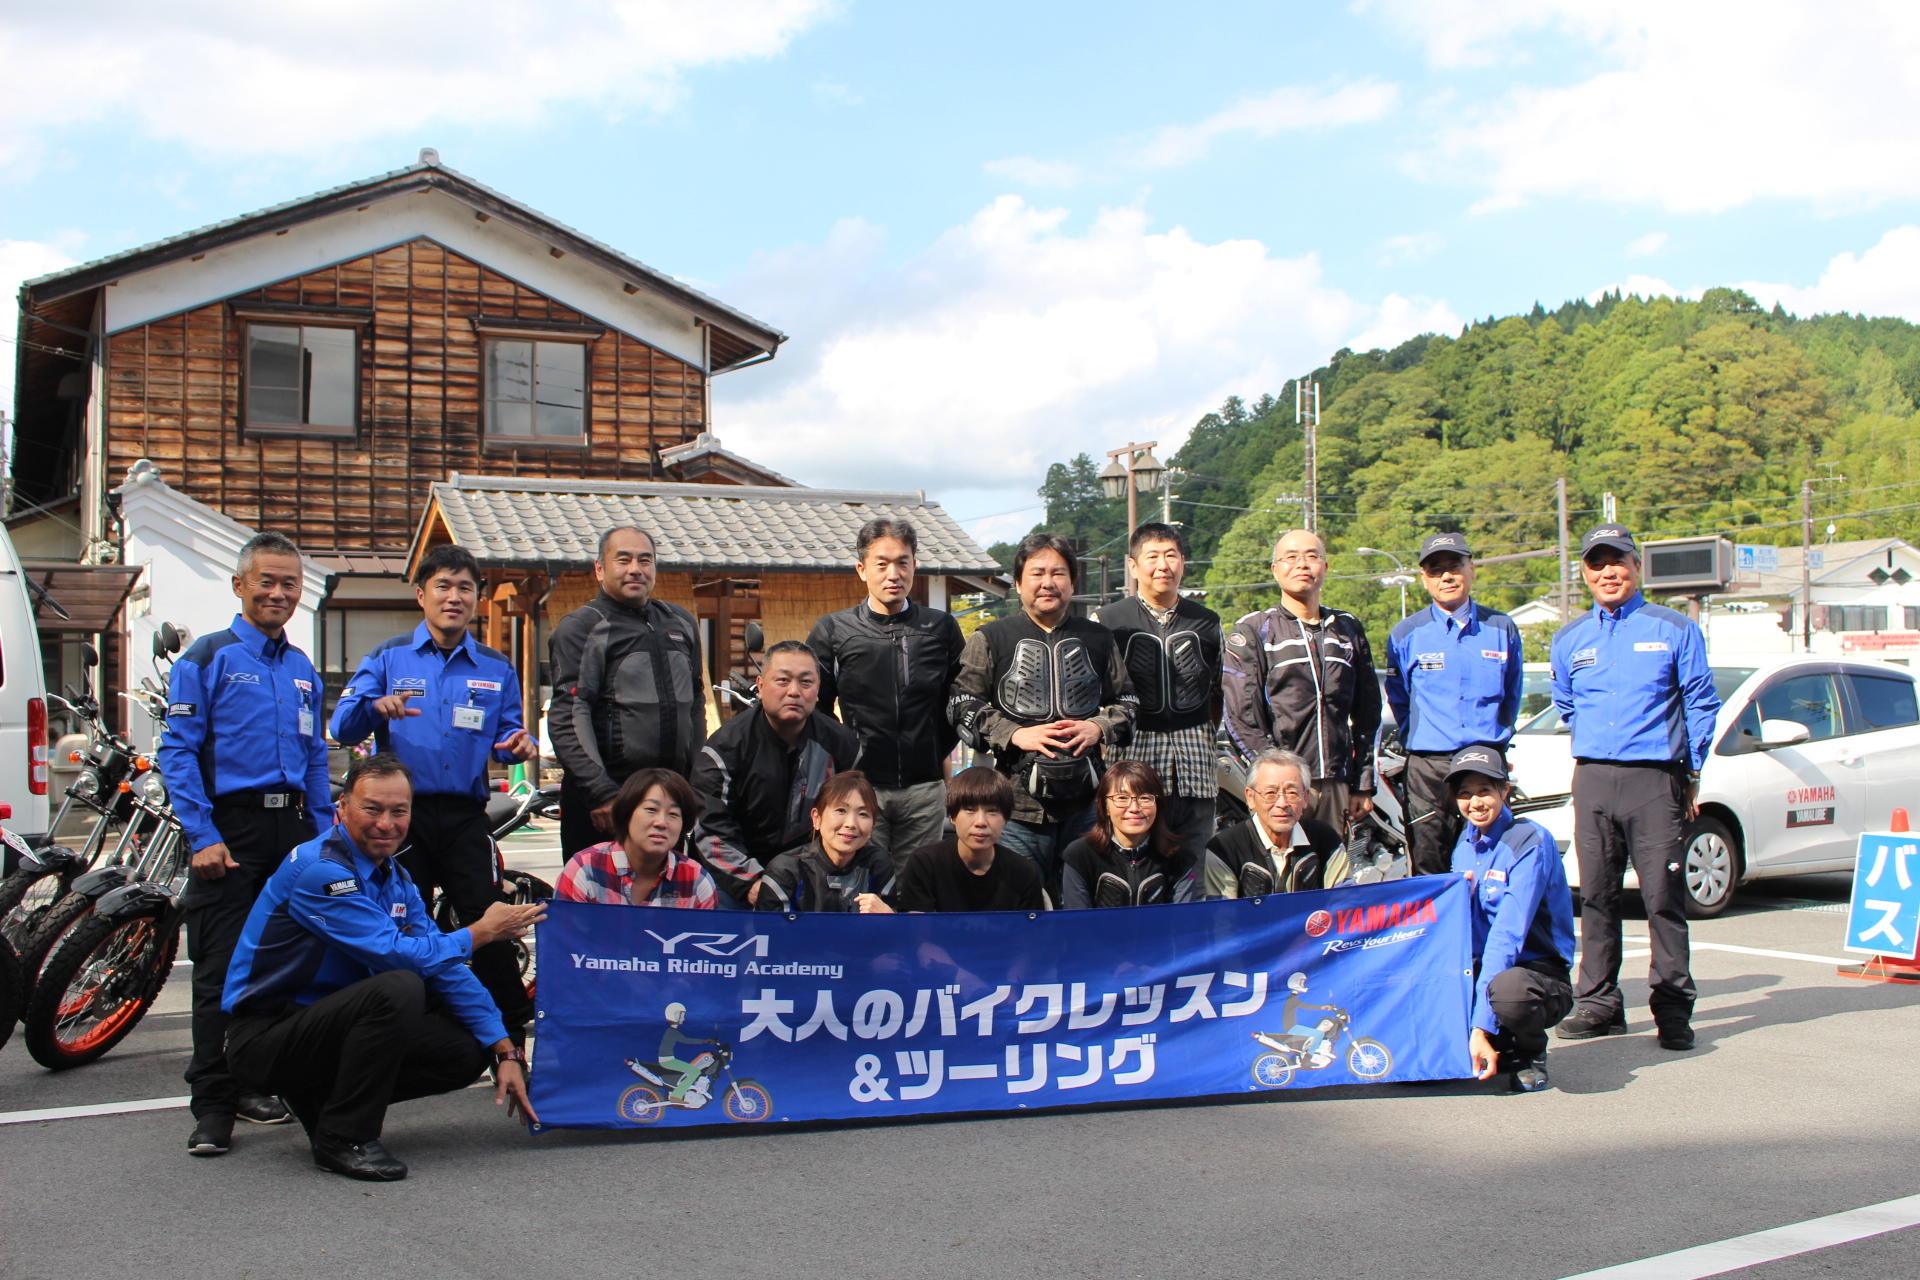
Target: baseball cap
(1448,543)
(1608,535)
(1485,761)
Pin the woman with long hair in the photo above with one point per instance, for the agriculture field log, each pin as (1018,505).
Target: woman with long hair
(1130,858)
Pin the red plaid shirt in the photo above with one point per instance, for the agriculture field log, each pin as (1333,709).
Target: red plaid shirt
(600,873)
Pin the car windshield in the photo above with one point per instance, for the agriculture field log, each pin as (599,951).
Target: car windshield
(1725,681)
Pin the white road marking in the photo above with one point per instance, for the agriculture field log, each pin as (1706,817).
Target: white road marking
(1767,1246)
(102,1109)
(1749,951)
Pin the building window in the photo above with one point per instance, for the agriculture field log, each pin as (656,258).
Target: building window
(1912,612)
(1856,617)
(536,392)
(302,378)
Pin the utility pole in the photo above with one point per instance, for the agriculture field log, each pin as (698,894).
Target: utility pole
(1560,565)
(1306,414)
(1806,566)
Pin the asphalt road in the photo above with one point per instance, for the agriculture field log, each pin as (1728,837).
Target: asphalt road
(1798,1103)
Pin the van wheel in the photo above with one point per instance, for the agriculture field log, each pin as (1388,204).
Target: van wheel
(1709,867)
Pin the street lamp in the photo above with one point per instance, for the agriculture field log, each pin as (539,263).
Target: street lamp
(1144,470)
(1399,578)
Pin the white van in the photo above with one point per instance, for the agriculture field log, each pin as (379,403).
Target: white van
(23,703)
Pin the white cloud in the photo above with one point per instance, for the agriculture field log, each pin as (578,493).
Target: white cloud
(240,77)
(1420,245)
(1883,281)
(1637,286)
(1288,109)
(1027,171)
(1695,108)
(1648,245)
(1013,341)
(25,260)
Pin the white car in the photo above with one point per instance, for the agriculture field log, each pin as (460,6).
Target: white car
(1807,753)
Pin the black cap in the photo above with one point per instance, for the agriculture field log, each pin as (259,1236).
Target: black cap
(1609,535)
(1485,761)
(1445,544)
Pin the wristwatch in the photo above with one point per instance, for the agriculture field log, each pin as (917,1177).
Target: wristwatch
(511,1055)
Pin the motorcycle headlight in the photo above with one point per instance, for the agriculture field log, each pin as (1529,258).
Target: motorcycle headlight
(153,789)
(86,784)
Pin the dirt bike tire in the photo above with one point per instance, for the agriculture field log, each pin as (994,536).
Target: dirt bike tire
(748,1102)
(97,985)
(1369,1059)
(641,1104)
(9,991)
(47,933)
(1270,1071)
(27,891)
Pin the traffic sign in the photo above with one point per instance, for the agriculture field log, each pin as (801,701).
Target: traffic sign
(1749,558)
(1883,916)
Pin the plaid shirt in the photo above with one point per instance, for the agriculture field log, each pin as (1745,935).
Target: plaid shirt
(599,873)
(1186,759)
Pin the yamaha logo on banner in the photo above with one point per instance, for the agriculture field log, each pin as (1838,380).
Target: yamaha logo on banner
(652,1016)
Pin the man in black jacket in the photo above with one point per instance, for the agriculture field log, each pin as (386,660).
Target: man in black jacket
(1300,676)
(759,773)
(1278,849)
(1171,646)
(627,692)
(1044,692)
(888,663)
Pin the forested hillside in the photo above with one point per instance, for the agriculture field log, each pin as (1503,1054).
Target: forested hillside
(1700,417)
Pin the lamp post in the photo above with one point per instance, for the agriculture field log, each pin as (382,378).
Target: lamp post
(1131,470)
(1398,578)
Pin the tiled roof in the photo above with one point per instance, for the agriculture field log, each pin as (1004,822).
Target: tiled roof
(695,526)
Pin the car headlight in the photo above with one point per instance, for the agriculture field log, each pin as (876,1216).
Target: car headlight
(86,784)
(153,790)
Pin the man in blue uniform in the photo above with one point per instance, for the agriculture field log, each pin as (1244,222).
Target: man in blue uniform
(1632,680)
(1522,923)
(446,704)
(1453,680)
(246,769)
(345,998)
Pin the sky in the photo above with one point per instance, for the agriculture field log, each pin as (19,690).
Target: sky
(999,234)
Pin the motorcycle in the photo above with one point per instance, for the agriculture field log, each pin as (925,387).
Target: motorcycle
(743,1100)
(1287,1053)
(506,814)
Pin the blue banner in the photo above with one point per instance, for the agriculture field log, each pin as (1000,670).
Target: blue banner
(657,1016)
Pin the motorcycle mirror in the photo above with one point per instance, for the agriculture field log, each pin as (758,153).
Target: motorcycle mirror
(89,657)
(756,638)
(168,640)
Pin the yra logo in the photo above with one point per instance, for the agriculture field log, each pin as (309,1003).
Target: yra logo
(1318,923)
(714,944)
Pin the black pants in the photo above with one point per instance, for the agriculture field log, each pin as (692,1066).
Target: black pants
(341,1061)
(1631,814)
(577,831)
(1191,821)
(450,847)
(216,913)
(1527,1000)
(1433,823)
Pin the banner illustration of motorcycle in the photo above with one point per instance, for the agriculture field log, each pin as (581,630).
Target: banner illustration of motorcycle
(649,1016)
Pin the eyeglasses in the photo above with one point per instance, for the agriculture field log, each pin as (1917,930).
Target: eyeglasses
(1121,800)
(1267,795)
(1294,559)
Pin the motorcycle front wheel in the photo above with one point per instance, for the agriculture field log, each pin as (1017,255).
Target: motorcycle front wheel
(748,1101)
(97,985)
(1271,1071)
(48,931)
(24,898)
(641,1104)
(1369,1059)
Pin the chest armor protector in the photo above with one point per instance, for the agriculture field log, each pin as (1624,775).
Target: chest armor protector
(1170,673)
(1045,682)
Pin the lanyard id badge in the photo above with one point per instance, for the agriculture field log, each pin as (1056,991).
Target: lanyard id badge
(469,717)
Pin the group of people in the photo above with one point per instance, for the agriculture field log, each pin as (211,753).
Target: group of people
(320,978)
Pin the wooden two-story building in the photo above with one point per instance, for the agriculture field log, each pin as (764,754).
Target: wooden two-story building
(318,367)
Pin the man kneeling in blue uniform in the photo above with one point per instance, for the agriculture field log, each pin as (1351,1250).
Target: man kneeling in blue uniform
(1522,923)
(344,996)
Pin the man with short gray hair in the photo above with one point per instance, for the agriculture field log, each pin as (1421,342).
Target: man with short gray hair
(627,688)
(1278,849)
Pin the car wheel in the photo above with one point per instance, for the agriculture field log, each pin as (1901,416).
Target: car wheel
(1709,867)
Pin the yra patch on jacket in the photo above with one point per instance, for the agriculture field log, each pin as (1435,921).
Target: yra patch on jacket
(341,888)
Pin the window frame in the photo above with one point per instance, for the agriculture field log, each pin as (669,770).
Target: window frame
(576,336)
(300,320)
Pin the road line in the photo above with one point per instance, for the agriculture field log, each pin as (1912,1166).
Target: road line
(102,1109)
(1753,951)
(1768,1246)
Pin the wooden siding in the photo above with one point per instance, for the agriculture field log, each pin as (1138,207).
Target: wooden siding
(174,387)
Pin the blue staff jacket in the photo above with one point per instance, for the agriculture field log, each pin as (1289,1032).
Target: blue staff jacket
(446,746)
(1522,908)
(1451,686)
(329,917)
(243,714)
(1635,685)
